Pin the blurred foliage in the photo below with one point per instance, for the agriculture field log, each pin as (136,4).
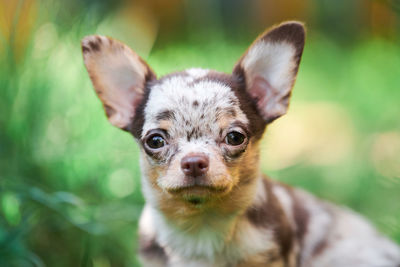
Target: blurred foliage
(70,182)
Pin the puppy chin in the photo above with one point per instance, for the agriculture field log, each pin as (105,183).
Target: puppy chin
(199,189)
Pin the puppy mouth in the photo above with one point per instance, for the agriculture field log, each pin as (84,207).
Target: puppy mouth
(200,189)
(197,194)
(197,189)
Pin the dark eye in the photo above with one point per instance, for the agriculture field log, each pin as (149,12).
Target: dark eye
(234,138)
(155,141)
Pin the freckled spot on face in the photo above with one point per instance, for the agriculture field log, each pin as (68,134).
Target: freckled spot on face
(189,135)
(194,133)
(165,115)
(231,112)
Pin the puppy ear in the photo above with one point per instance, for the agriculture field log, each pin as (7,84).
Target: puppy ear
(269,68)
(118,75)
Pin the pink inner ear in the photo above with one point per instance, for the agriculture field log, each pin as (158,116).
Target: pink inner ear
(262,91)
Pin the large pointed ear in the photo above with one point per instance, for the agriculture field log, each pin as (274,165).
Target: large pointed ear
(118,75)
(270,66)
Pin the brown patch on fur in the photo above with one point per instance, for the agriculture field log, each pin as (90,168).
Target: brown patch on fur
(301,217)
(300,214)
(271,215)
(95,46)
(272,258)
(320,248)
(149,248)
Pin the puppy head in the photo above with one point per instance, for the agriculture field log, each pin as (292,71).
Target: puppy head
(198,129)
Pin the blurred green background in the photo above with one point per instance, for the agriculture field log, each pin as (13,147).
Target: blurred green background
(69,182)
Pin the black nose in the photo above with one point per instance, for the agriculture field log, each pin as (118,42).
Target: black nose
(195,164)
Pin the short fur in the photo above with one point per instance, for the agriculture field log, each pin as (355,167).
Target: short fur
(231,215)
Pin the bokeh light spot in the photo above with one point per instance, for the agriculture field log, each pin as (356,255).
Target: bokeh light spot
(121,183)
(315,133)
(385,154)
(11,208)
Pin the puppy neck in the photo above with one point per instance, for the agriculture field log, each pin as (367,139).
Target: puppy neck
(208,234)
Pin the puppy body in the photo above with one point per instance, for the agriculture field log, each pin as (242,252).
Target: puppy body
(284,227)
(199,133)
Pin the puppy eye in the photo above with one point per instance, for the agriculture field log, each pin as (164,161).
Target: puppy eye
(155,141)
(234,138)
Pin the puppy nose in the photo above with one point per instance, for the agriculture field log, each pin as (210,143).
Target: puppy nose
(195,164)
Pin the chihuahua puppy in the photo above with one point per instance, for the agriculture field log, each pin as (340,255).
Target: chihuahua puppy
(199,131)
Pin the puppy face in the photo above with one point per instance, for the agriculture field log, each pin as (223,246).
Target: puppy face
(198,129)
(195,134)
